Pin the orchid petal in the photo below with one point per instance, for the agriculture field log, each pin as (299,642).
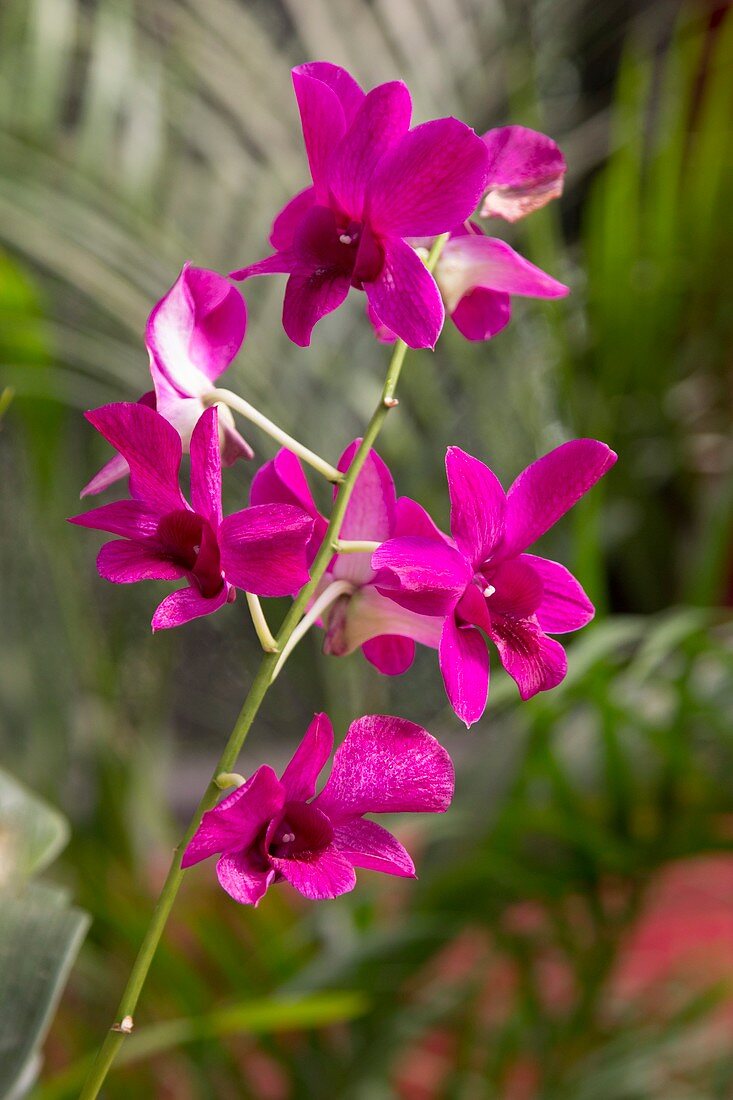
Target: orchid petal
(405,296)
(152,448)
(423,575)
(282,481)
(128,518)
(366,844)
(369,514)
(412,519)
(233,445)
(187,604)
(389,653)
(464,664)
(280,263)
(287,221)
(534,661)
(243,878)
(383,118)
(481,314)
(235,823)
(327,875)
(387,765)
(548,488)
(112,471)
(300,776)
(310,294)
(429,181)
(263,549)
(471,260)
(518,588)
(195,331)
(125,562)
(369,615)
(564,605)
(477,504)
(525,172)
(206,468)
(327,95)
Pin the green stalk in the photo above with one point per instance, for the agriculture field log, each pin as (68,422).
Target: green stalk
(124,1021)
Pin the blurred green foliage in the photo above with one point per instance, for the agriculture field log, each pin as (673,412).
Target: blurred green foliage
(136,136)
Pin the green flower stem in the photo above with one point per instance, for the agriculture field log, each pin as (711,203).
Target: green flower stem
(321,604)
(268,643)
(249,412)
(354,546)
(128,1004)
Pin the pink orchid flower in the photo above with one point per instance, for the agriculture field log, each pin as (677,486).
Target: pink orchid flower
(261,550)
(360,616)
(526,171)
(274,830)
(375,183)
(192,336)
(486,585)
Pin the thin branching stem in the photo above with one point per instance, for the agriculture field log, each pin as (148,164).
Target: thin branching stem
(258,689)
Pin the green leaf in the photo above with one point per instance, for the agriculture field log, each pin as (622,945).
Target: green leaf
(39,939)
(32,833)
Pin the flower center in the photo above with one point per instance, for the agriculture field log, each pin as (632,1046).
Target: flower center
(302,832)
(339,244)
(189,541)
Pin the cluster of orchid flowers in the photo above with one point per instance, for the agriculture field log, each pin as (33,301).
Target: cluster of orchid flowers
(382,193)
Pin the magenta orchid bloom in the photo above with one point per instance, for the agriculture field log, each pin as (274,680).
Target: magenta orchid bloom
(360,616)
(192,336)
(526,171)
(486,584)
(274,830)
(261,550)
(375,183)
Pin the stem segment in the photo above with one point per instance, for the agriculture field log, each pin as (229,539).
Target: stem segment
(249,412)
(263,678)
(268,643)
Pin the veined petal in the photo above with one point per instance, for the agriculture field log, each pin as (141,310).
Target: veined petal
(125,562)
(152,448)
(328,98)
(301,775)
(477,504)
(429,181)
(370,513)
(371,615)
(195,331)
(382,118)
(206,468)
(405,296)
(421,574)
(464,664)
(243,878)
(526,170)
(412,519)
(473,260)
(389,653)
(112,471)
(534,661)
(263,549)
(481,314)
(187,604)
(564,605)
(327,875)
(310,294)
(387,765)
(366,844)
(548,488)
(280,263)
(287,221)
(128,518)
(282,481)
(234,824)
(517,588)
